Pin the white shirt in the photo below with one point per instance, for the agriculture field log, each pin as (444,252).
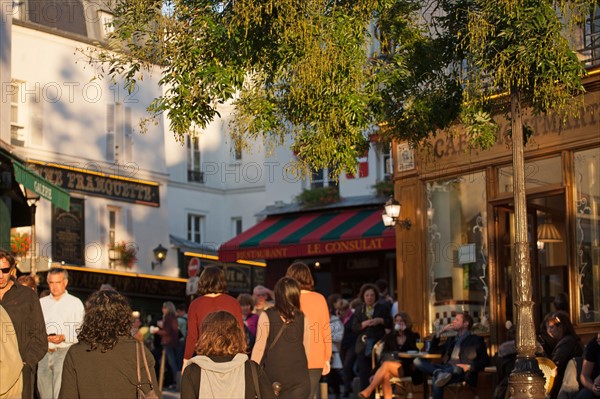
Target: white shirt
(62,317)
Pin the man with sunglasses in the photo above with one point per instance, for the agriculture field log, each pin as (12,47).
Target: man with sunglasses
(26,321)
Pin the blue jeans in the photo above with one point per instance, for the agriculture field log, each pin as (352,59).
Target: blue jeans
(49,373)
(458,374)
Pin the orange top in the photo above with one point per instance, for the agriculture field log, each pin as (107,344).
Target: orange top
(316,311)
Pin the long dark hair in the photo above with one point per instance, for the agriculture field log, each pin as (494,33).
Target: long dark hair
(287,298)
(108,317)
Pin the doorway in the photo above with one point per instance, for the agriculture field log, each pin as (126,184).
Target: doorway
(547,238)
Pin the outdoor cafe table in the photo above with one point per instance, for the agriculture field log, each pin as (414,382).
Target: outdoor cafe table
(422,355)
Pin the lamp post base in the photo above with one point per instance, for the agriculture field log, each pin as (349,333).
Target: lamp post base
(526,381)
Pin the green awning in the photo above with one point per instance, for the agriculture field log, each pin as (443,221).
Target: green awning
(42,187)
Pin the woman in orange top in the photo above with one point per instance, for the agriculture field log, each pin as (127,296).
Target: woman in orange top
(314,307)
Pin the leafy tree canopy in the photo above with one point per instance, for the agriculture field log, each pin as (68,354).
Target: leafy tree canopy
(326,72)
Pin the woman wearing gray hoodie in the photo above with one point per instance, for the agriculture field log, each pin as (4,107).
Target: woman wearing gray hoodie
(221,368)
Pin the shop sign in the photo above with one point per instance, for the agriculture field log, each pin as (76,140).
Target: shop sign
(100,184)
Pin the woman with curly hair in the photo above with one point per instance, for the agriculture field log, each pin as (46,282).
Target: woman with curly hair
(103,363)
(221,368)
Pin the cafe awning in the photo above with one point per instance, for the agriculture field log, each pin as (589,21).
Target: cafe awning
(311,234)
(42,187)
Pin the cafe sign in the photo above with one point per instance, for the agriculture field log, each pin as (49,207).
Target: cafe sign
(99,184)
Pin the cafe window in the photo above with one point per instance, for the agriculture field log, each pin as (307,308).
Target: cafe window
(587,233)
(457,254)
(538,173)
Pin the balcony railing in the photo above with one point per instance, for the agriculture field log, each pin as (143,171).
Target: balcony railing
(195,176)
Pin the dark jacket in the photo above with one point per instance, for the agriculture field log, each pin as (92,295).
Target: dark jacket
(376,332)
(112,374)
(568,347)
(349,338)
(23,307)
(472,352)
(190,382)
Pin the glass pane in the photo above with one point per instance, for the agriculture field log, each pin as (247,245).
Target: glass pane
(538,173)
(587,233)
(457,257)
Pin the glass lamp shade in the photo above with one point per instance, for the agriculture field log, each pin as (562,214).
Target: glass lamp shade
(387,220)
(392,208)
(160,253)
(547,232)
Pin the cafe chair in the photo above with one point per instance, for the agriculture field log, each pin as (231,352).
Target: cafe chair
(401,386)
(549,369)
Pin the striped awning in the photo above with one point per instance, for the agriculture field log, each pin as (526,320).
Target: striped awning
(311,234)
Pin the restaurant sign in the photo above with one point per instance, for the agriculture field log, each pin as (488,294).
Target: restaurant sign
(99,184)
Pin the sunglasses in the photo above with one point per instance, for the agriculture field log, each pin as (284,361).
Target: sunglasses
(5,270)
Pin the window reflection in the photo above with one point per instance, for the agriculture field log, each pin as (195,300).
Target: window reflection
(457,250)
(587,225)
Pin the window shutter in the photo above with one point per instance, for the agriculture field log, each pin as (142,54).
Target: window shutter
(119,148)
(110,132)
(37,120)
(129,222)
(128,135)
(102,226)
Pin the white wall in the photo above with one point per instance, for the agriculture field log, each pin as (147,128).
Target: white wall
(73,111)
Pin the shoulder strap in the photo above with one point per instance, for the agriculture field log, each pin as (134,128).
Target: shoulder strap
(138,344)
(277,336)
(137,362)
(255,379)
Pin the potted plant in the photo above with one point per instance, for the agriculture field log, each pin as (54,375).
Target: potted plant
(20,243)
(384,188)
(123,253)
(319,196)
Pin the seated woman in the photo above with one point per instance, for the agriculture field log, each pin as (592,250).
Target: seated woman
(402,339)
(568,346)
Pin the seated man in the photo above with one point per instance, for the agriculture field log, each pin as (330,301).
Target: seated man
(463,356)
(590,371)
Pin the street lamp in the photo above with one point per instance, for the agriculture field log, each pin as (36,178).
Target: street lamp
(32,202)
(391,215)
(160,253)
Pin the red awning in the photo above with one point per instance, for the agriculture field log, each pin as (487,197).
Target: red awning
(311,234)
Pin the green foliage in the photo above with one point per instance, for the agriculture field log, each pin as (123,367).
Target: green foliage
(299,69)
(319,196)
(384,188)
(524,46)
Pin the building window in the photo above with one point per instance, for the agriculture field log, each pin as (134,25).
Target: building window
(195,225)
(587,233)
(237,150)
(236,226)
(119,133)
(106,23)
(17,131)
(388,166)
(457,258)
(322,178)
(113,215)
(193,160)
(591,38)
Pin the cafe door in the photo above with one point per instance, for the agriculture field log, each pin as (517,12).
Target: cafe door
(546,232)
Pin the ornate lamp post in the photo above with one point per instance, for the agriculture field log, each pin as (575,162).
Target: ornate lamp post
(526,380)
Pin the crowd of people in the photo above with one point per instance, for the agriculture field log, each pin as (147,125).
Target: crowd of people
(284,343)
